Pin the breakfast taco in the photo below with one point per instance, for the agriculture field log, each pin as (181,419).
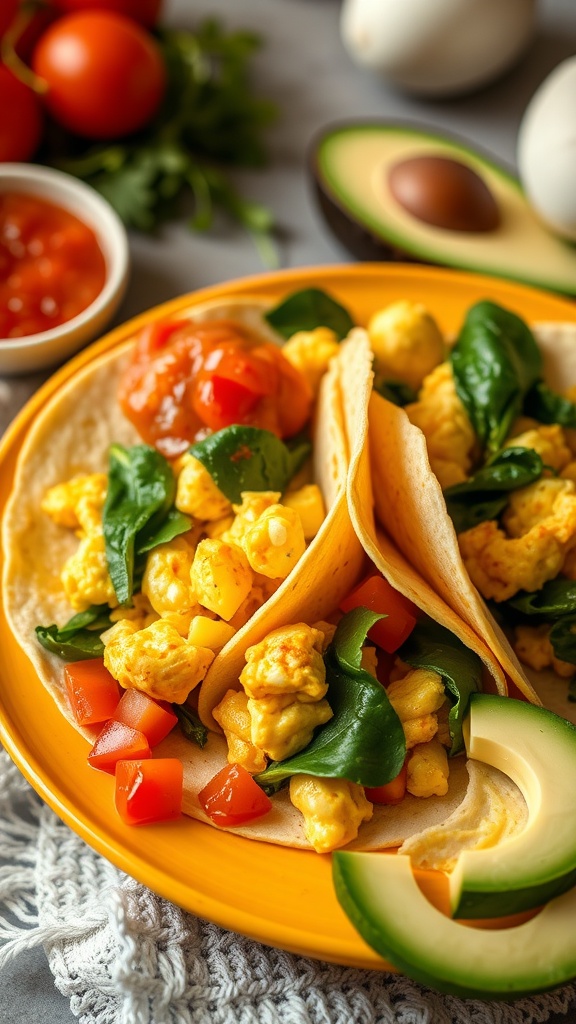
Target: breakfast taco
(474,472)
(197,553)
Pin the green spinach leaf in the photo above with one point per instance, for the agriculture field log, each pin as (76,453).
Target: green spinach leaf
(364,741)
(395,391)
(485,494)
(495,363)
(432,646)
(547,406)
(141,490)
(79,639)
(191,725)
(305,310)
(249,459)
(563,638)
(555,599)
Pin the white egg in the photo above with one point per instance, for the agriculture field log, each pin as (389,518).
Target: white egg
(437,47)
(547,150)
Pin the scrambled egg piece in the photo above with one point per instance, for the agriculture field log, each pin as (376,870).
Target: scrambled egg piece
(327,629)
(529,506)
(285,679)
(156,660)
(254,503)
(233,716)
(533,647)
(449,433)
(275,542)
(207,632)
(78,503)
(197,494)
(288,661)
(333,810)
(416,698)
(221,576)
(85,575)
(406,342)
(281,726)
(549,441)
(166,583)
(427,770)
(310,352)
(499,565)
(309,504)
(141,613)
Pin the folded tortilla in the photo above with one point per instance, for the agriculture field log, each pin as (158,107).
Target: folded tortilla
(72,435)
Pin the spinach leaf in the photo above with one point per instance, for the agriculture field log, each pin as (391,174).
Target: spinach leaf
(435,647)
(555,599)
(190,724)
(485,494)
(249,459)
(547,406)
(79,639)
(364,741)
(141,490)
(173,524)
(495,363)
(395,391)
(563,639)
(305,310)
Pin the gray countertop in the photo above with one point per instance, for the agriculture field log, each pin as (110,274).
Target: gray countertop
(305,70)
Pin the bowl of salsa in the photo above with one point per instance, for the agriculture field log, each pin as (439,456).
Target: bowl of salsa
(63,266)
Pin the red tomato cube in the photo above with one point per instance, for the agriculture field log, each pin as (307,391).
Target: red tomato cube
(149,791)
(232,797)
(392,792)
(93,693)
(378,595)
(155,718)
(118,742)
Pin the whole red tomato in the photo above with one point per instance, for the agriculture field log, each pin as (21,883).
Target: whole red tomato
(147,12)
(20,118)
(105,74)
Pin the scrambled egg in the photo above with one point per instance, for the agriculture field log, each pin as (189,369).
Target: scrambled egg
(533,647)
(156,659)
(85,576)
(221,576)
(310,352)
(406,342)
(275,542)
(308,502)
(233,716)
(196,492)
(167,583)
(333,810)
(78,503)
(444,422)
(548,440)
(418,698)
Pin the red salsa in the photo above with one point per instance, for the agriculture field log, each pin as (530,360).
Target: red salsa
(51,265)
(187,380)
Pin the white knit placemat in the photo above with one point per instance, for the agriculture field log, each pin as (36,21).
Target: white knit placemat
(124,956)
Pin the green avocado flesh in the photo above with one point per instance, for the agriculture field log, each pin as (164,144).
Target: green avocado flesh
(379,893)
(537,749)
(351,165)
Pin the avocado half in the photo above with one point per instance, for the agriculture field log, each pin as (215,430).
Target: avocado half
(351,164)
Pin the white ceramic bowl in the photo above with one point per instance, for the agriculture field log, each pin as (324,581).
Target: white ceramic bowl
(38,351)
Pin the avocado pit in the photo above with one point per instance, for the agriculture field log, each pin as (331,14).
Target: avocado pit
(444,193)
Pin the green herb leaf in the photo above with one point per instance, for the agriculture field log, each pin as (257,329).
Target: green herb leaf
(485,494)
(364,741)
(555,599)
(249,459)
(395,391)
(174,524)
(547,406)
(191,725)
(563,640)
(139,499)
(495,362)
(210,120)
(79,639)
(310,308)
(434,647)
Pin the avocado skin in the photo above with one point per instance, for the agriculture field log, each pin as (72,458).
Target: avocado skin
(355,238)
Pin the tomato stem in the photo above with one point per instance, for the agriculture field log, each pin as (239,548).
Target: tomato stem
(10,40)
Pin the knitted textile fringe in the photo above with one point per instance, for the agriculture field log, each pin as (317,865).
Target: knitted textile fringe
(124,956)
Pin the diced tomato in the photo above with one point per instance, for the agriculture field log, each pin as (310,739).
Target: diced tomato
(376,593)
(149,791)
(392,792)
(118,742)
(220,402)
(155,718)
(232,797)
(93,693)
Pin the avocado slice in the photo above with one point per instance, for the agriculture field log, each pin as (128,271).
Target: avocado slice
(380,894)
(537,749)
(352,165)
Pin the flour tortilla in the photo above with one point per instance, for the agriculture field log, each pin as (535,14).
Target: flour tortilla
(72,435)
(410,506)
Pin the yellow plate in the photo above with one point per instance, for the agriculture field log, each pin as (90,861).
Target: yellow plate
(279,896)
